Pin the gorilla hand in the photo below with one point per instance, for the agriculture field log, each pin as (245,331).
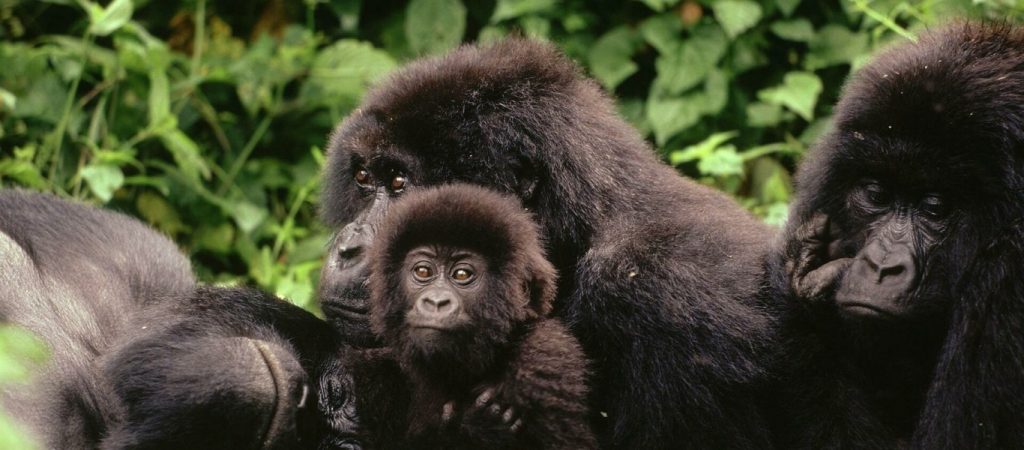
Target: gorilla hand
(812,275)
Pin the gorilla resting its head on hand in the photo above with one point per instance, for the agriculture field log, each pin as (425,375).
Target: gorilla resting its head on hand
(658,274)
(905,253)
(460,292)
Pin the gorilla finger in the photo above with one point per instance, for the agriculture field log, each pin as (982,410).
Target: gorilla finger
(509,414)
(485,398)
(516,426)
(820,283)
(447,412)
(495,409)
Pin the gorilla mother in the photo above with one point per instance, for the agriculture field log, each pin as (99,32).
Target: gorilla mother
(905,253)
(658,274)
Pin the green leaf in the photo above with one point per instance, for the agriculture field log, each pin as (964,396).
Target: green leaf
(247,215)
(159,213)
(611,57)
(342,72)
(7,100)
(799,30)
(787,6)
(669,116)
(103,21)
(687,67)
(660,5)
(833,45)
(722,162)
(513,9)
(736,16)
(23,172)
(434,26)
(799,92)
(186,154)
(20,352)
(701,149)
(763,114)
(663,31)
(103,180)
(159,97)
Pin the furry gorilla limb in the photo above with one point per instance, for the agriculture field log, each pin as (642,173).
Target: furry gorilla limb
(900,268)
(659,273)
(460,294)
(140,359)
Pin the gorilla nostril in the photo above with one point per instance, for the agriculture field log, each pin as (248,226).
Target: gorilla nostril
(350,252)
(891,271)
(436,306)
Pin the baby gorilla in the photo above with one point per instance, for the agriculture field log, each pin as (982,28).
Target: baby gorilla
(460,293)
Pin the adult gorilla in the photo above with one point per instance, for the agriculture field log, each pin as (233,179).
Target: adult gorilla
(658,273)
(141,358)
(904,254)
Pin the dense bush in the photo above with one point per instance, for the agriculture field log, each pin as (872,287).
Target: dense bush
(207,118)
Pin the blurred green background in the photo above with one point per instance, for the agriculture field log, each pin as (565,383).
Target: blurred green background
(207,118)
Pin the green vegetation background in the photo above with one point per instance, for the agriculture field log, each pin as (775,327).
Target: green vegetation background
(207,118)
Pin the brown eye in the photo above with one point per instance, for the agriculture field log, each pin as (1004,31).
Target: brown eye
(932,205)
(876,193)
(398,183)
(462,276)
(423,273)
(362,176)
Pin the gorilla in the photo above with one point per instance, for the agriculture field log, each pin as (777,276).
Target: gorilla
(659,275)
(900,267)
(141,357)
(460,293)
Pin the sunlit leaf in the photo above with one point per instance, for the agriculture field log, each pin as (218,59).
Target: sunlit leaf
(107,20)
(611,57)
(512,9)
(799,92)
(103,180)
(736,16)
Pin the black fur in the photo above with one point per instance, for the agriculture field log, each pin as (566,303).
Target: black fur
(945,114)
(658,273)
(141,358)
(531,364)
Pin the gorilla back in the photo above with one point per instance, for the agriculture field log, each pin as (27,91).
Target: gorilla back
(658,272)
(904,253)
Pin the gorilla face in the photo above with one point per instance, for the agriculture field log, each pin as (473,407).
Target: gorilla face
(901,230)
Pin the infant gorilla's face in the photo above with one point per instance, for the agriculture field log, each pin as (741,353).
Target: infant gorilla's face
(441,285)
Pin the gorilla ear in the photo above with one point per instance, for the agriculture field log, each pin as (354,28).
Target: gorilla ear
(541,286)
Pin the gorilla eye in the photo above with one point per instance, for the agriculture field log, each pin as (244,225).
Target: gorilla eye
(362,176)
(423,272)
(462,276)
(932,205)
(398,183)
(876,193)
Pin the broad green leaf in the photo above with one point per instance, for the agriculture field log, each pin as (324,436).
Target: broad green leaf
(535,27)
(44,100)
(7,100)
(721,162)
(103,21)
(835,44)
(799,30)
(716,93)
(23,172)
(513,9)
(669,116)
(788,6)
(186,154)
(103,180)
(761,114)
(215,238)
(434,26)
(663,31)
(687,67)
(701,149)
(342,72)
(799,92)
(611,57)
(736,16)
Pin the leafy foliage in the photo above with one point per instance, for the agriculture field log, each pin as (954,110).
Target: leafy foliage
(207,118)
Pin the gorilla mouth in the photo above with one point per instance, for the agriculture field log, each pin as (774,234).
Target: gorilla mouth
(865,309)
(345,310)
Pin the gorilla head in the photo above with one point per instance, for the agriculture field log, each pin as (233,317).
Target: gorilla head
(914,177)
(458,271)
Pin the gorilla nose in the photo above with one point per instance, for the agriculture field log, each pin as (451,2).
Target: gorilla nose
(352,242)
(891,267)
(437,306)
